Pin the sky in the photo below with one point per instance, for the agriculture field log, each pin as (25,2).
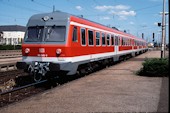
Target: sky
(134,16)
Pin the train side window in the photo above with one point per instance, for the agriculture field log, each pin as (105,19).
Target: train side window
(112,39)
(123,41)
(108,39)
(116,40)
(137,43)
(119,41)
(74,38)
(126,41)
(97,38)
(83,36)
(103,39)
(133,42)
(90,37)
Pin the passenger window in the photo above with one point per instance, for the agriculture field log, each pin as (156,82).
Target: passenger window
(108,39)
(116,40)
(97,38)
(112,39)
(103,39)
(125,41)
(83,36)
(122,40)
(74,38)
(90,35)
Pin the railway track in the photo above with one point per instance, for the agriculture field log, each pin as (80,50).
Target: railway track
(10,54)
(29,88)
(19,93)
(25,87)
(22,87)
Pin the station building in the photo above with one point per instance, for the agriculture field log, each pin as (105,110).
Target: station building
(11,34)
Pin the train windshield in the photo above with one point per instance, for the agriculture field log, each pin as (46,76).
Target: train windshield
(34,34)
(55,34)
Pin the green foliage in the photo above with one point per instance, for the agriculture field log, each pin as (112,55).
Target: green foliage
(10,47)
(155,67)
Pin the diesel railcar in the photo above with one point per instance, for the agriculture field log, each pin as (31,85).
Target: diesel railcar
(61,42)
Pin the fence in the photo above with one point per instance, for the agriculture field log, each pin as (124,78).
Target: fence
(10,53)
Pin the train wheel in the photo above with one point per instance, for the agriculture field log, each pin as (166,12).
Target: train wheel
(37,77)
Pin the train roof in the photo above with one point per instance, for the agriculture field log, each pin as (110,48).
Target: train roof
(55,15)
(58,15)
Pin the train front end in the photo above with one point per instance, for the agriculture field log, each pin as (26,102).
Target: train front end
(44,45)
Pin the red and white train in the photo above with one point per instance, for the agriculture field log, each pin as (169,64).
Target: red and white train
(61,42)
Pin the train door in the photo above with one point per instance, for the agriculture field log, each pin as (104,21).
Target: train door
(116,44)
(75,40)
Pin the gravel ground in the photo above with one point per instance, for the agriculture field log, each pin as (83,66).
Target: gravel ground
(5,76)
(114,89)
(20,79)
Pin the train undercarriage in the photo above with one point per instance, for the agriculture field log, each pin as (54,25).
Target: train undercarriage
(45,70)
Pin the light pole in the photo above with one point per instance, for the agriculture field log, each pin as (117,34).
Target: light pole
(163,32)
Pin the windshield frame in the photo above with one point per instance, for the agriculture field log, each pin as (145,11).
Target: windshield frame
(44,34)
(39,36)
(48,32)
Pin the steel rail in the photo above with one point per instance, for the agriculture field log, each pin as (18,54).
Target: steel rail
(22,87)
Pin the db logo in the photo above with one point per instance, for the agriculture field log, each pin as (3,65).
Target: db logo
(41,50)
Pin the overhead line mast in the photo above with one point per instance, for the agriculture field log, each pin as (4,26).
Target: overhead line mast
(163,32)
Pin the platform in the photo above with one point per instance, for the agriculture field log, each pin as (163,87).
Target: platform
(114,89)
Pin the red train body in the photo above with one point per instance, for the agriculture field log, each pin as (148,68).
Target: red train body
(58,41)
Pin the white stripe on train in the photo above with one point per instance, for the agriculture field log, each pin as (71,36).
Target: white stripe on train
(91,57)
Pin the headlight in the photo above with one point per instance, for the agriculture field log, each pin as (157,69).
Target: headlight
(58,51)
(27,50)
